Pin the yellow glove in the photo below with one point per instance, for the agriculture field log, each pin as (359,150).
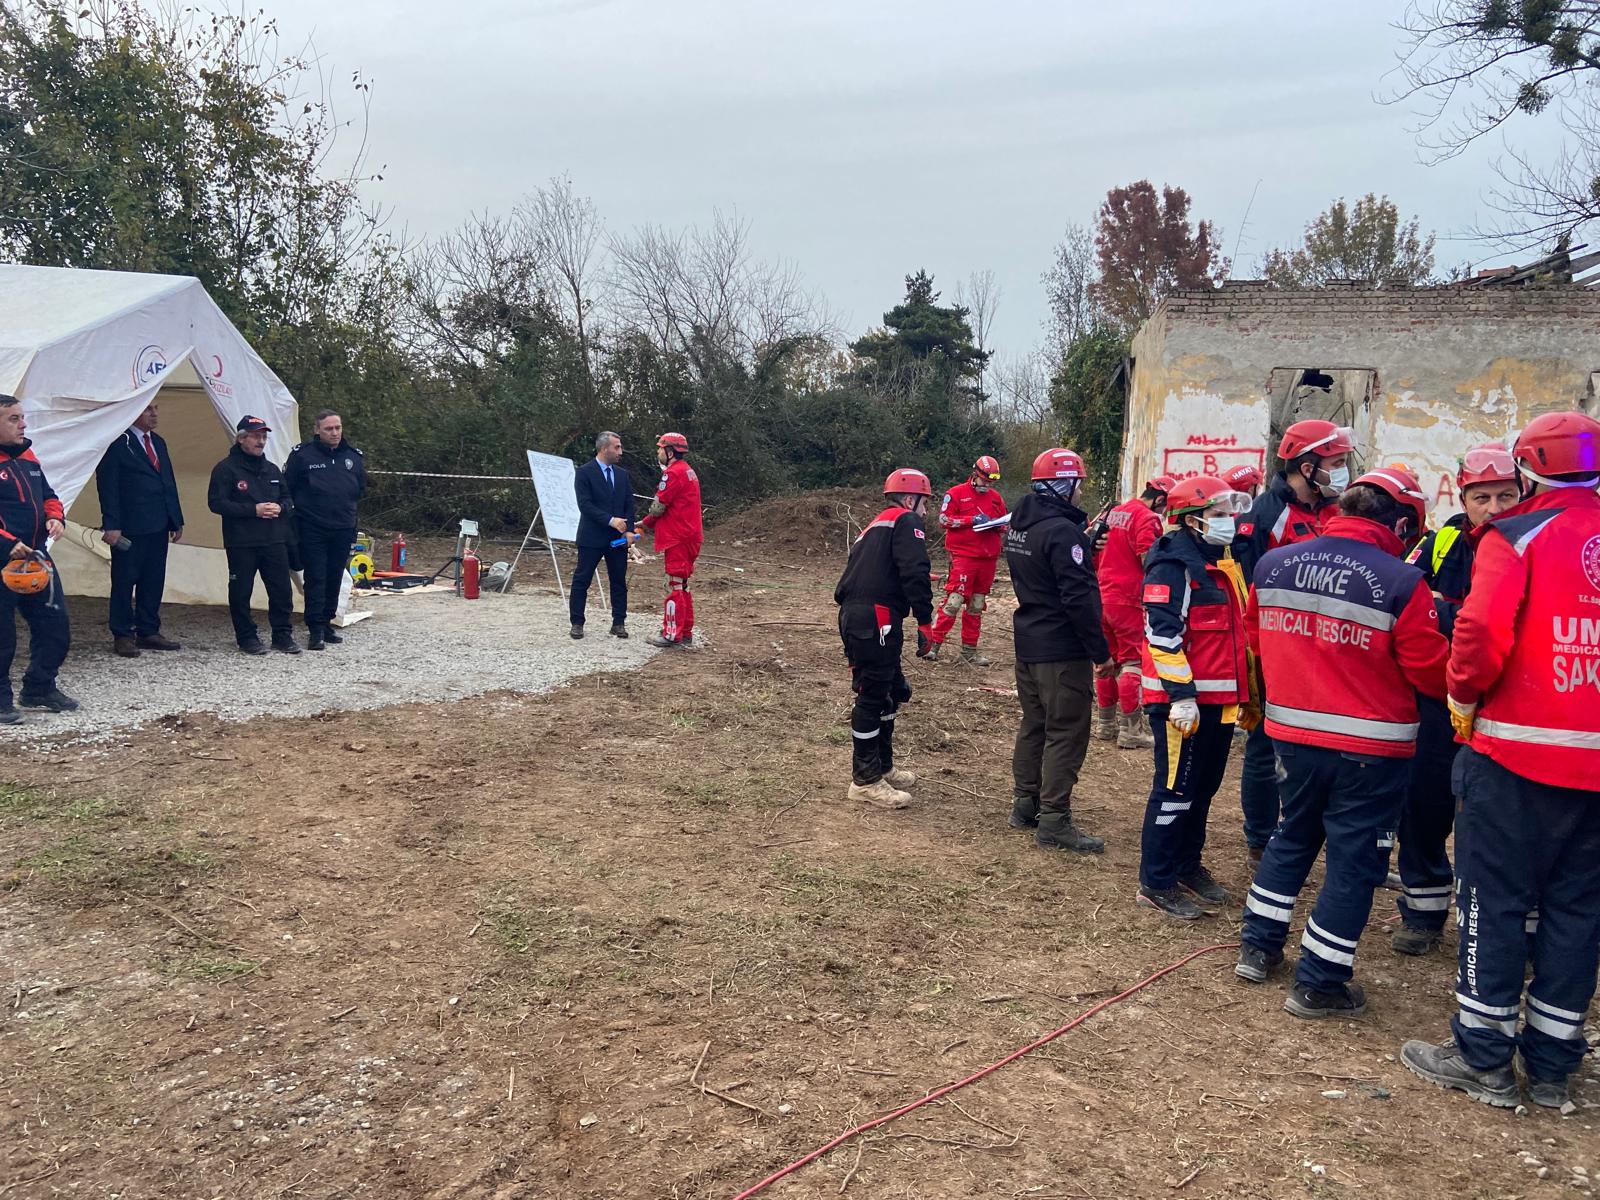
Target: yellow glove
(1249,717)
(1462,717)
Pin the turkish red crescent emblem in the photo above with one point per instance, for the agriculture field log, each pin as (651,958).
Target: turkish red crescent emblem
(4,475)
(242,486)
(1590,559)
(1247,529)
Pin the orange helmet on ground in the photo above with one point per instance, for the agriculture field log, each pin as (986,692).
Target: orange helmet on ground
(1058,463)
(27,576)
(1402,486)
(1488,463)
(1322,438)
(1201,492)
(1559,443)
(907,481)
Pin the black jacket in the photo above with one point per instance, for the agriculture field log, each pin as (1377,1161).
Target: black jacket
(1445,558)
(135,497)
(239,483)
(889,565)
(1052,572)
(597,503)
(326,484)
(1277,518)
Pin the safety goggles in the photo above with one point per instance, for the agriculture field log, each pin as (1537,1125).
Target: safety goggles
(1484,462)
(1228,504)
(1341,441)
(991,476)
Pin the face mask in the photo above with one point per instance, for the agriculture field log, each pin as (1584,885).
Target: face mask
(1338,480)
(1217,531)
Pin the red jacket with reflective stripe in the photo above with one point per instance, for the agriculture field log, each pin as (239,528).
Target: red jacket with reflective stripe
(1527,640)
(1194,626)
(678,494)
(961,505)
(26,499)
(1132,530)
(1347,635)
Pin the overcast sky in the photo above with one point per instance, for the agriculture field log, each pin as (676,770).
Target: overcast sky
(865,139)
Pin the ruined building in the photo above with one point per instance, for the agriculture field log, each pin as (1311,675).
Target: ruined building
(1420,374)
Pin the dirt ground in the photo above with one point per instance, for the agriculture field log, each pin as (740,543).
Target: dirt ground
(626,939)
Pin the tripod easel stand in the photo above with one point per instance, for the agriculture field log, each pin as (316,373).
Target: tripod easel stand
(549,545)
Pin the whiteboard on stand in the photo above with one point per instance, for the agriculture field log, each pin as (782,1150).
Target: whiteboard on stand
(554,486)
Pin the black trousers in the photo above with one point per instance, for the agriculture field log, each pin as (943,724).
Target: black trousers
(1057,701)
(1188,773)
(1425,872)
(272,564)
(326,553)
(616,560)
(49,634)
(138,577)
(880,688)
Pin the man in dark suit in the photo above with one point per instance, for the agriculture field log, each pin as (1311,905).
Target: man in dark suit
(139,512)
(605,513)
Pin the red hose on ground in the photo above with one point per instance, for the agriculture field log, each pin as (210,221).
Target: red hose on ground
(977,1075)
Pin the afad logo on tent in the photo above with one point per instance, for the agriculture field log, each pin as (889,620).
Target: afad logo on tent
(148,365)
(214,379)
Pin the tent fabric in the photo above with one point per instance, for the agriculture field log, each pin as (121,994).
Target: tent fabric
(86,352)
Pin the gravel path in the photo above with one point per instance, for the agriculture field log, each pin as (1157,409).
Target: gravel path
(429,646)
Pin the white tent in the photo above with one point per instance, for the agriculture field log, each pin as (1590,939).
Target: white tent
(85,352)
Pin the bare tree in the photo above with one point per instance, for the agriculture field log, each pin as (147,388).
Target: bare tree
(979,294)
(1068,291)
(1022,390)
(564,230)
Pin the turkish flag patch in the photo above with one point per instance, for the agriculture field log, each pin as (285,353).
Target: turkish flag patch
(919,533)
(242,486)
(1246,529)
(1157,593)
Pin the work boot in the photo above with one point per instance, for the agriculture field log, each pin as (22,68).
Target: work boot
(1444,1066)
(577,632)
(1548,1093)
(619,630)
(900,780)
(659,642)
(126,647)
(285,643)
(1024,812)
(970,656)
(880,794)
(1057,832)
(1200,883)
(154,641)
(51,698)
(314,638)
(10,716)
(1393,882)
(933,652)
(1255,965)
(1348,1001)
(253,646)
(1171,901)
(1133,732)
(1105,723)
(331,635)
(1414,940)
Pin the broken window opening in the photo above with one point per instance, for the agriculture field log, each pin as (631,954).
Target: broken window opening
(1343,395)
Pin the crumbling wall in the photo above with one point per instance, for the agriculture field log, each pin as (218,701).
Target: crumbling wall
(1453,367)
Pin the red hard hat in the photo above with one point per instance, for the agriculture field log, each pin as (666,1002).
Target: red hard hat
(1400,484)
(907,481)
(1201,492)
(1162,483)
(1488,463)
(1239,478)
(987,467)
(673,441)
(26,576)
(1559,443)
(1058,464)
(1322,438)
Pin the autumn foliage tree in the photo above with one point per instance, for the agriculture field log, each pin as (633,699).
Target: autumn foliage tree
(1147,248)
(1367,241)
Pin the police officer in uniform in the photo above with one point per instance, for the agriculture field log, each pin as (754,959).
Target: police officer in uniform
(249,493)
(327,479)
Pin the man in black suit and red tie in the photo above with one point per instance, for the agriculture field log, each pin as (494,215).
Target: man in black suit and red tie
(140,514)
(605,515)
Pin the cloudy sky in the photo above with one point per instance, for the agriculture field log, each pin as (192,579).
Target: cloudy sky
(865,139)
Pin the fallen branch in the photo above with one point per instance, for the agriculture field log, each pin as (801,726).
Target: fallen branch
(854,1167)
(185,926)
(711,1091)
(1189,1178)
(700,1062)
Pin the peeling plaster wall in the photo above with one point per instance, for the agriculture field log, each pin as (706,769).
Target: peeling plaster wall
(1454,367)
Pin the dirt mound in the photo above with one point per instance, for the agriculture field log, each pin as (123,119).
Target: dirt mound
(812,523)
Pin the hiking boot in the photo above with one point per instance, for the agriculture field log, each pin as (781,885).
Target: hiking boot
(53,699)
(619,631)
(252,647)
(1255,965)
(331,635)
(1024,812)
(1171,901)
(1200,883)
(1414,940)
(880,794)
(1133,732)
(10,716)
(1057,832)
(971,656)
(1548,1093)
(933,652)
(1444,1066)
(155,641)
(900,780)
(1349,1001)
(1105,723)
(577,632)
(314,638)
(1393,882)
(126,647)
(661,643)
(286,644)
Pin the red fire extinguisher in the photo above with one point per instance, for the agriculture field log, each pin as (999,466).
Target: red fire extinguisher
(397,553)
(469,575)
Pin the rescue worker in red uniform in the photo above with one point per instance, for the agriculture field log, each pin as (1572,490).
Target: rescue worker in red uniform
(674,522)
(1196,687)
(1246,480)
(886,578)
(1347,636)
(1524,687)
(1487,480)
(1295,507)
(970,516)
(1132,527)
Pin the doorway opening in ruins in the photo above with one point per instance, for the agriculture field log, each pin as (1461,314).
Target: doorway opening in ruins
(1343,395)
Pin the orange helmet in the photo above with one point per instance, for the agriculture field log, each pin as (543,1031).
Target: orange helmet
(1322,438)
(1488,463)
(27,576)
(907,481)
(1401,485)
(1240,478)
(1559,443)
(1200,492)
(673,441)
(988,468)
(1058,464)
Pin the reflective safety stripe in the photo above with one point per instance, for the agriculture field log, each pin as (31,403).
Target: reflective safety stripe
(1578,739)
(1176,805)
(1379,731)
(1324,934)
(1324,951)
(1327,606)
(1564,1014)
(1427,903)
(1473,1021)
(856,733)
(1261,908)
(1556,1029)
(1261,891)
(1488,1010)
(889,716)
(1167,820)
(1200,685)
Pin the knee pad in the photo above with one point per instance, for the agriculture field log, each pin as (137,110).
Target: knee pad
(952,604)
(977,603)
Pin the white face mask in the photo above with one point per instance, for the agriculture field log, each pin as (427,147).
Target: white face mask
(1338,481)
(1217,531)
